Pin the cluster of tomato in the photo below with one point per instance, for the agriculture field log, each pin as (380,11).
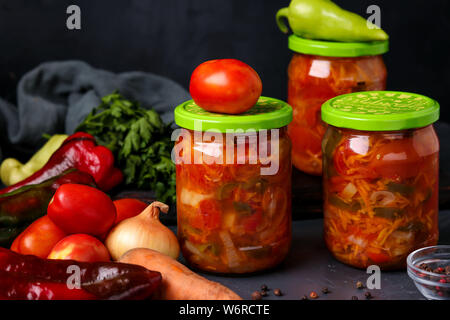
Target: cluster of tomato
(78,220)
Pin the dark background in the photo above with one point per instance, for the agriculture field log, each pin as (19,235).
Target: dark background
(171,37)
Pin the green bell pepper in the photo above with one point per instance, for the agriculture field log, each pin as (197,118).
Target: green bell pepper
(13,171)
(324,20)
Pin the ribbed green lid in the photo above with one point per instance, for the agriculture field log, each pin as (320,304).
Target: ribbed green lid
(380,111)
(337,49)
(268,113)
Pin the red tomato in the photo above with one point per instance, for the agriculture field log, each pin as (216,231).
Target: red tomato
(80,247)
(378,257)
(39,238)
(209,215)
(396,160)
(252,222)
(78,208)
(127,208)
(225,86)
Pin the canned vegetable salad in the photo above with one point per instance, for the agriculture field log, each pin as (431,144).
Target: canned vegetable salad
(380,174)
(321,70)
(233,175)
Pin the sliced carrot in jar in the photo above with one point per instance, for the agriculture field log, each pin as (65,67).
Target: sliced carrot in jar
(206,177)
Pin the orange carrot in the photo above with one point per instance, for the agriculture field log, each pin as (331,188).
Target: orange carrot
(178,282)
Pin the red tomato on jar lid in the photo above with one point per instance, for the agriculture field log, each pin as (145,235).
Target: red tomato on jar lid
(78,208)
(225,86)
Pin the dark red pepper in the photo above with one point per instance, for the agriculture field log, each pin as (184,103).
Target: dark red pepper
(32,278)
(81,152)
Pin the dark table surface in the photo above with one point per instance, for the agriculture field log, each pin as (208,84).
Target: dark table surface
(310,267)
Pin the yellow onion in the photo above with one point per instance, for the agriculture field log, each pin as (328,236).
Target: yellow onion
(143,231)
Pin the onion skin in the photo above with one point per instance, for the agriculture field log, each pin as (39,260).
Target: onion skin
(143,231)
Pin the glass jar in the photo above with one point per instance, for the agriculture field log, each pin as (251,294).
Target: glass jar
(381,173)
(321,70)
(233,179)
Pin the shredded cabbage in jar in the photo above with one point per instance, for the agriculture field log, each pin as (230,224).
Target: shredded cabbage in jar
(232,219)
(379,205)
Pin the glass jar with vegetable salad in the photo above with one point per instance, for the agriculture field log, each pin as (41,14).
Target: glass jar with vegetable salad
(321,70)
(381,170)
(233,179)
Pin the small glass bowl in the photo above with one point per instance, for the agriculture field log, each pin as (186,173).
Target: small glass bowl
(434,286)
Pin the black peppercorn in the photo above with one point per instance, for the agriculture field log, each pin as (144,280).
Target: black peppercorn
(277,292)
(359,285)
(325,290)
(368,295)
(263,293)
(256,295)
(305,297)
(447,270)
(354,298)
(264,287)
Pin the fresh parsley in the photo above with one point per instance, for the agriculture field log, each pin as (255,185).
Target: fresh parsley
(140,142)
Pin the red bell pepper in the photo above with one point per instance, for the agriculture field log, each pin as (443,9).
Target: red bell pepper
(78,151)
(77,208)
(23,206)
(32,278)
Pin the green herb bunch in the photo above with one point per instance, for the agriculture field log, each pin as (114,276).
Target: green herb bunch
(140,142)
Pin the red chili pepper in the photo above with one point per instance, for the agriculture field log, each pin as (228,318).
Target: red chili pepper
(36,290)
(32,278)
(78,151)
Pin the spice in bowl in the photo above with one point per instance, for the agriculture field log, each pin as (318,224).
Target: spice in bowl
(429,268)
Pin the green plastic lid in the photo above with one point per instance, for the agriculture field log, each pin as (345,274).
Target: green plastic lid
(268,113)
(380,111)
(337,49)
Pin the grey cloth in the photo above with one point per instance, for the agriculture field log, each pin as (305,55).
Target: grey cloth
(56,96)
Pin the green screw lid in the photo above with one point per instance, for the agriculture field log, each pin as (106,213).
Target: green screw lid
(268,113)
(380,111)
(337,49)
